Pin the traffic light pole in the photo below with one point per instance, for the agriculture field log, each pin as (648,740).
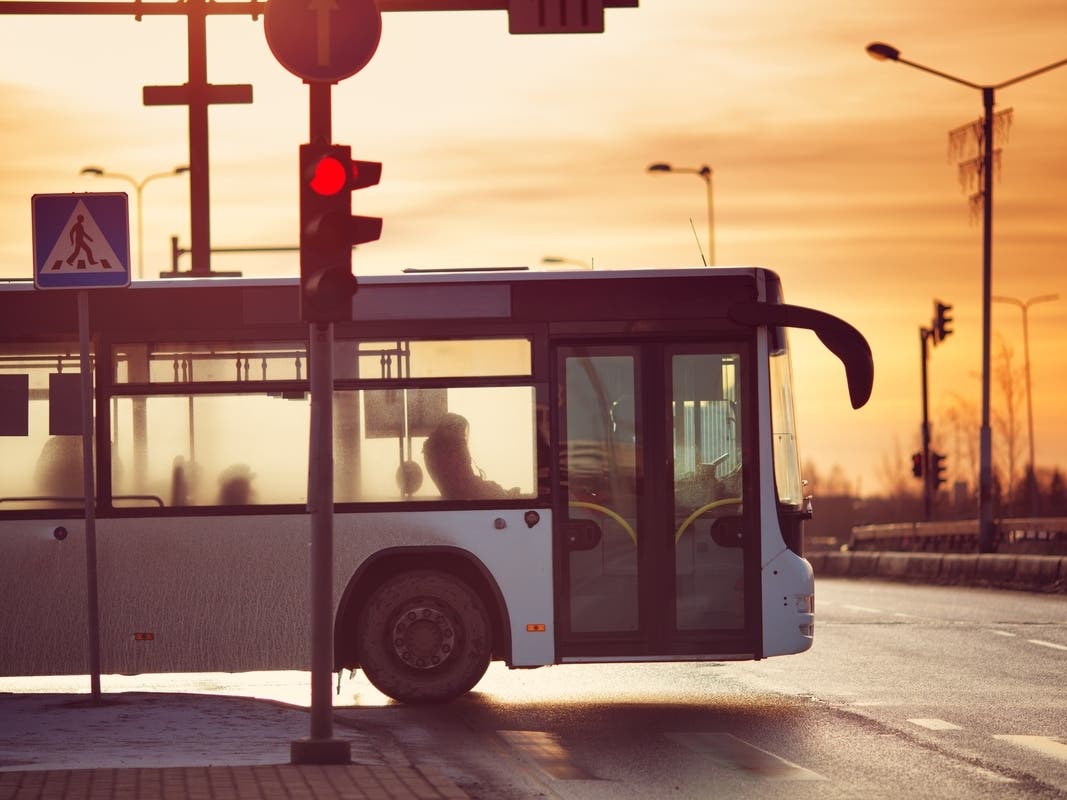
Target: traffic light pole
(321,747)
(924,337)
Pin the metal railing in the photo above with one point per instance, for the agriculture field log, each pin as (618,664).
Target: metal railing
(1037,535)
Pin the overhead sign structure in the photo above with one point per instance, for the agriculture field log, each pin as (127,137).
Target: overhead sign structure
(81,241)
(323,41)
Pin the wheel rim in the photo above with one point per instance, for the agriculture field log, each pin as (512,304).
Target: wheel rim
(423,637)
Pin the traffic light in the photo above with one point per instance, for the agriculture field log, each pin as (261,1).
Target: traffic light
(937,470)
(555,16)
(917,464)
(328,176)
(941,321)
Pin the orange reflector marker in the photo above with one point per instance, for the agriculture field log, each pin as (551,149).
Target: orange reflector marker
(535,627)
(143,636)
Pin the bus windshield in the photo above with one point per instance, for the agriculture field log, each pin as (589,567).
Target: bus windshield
(783,428)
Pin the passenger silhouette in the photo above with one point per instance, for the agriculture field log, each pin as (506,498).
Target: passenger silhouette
(235,486)
(448,460)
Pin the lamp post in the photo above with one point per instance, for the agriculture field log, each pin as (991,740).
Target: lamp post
(1025,306)
(705,173)
(138,187)
(884,52)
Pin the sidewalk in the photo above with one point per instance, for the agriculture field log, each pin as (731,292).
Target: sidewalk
(352,782)
(149,745)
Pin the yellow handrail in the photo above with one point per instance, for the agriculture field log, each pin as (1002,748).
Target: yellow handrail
(706,507)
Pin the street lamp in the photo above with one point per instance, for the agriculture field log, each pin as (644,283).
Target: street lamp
(884,52)
(1025,306)
(705,173)
(138,186)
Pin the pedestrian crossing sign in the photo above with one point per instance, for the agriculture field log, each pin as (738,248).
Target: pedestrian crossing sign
(81,240)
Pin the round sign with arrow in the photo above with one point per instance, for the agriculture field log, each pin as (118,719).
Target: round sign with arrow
(323,41)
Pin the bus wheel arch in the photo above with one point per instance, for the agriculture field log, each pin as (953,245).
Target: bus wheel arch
(387,565)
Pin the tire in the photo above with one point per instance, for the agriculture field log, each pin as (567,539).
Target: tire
(424,637)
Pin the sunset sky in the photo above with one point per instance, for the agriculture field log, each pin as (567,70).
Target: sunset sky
(829,167)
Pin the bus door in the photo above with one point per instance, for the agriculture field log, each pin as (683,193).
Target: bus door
(657,546)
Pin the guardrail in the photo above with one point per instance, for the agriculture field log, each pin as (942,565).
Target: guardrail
(1032,535)
(998,570)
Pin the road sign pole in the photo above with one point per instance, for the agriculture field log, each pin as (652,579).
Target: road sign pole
(89,487)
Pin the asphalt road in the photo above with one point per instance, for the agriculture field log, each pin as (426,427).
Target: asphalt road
(909,692)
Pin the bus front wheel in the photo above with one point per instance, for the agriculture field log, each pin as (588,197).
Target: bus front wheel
(424,637)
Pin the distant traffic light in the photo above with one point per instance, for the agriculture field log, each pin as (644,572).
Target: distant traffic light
(917,464)
(937,470)
(941,321)
(328,176)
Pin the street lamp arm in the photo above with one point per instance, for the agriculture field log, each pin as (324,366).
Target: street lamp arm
(121,176)
(1013,300)
(170,174)
(1044,298)
(880,51)
(1031,74)
(940,74)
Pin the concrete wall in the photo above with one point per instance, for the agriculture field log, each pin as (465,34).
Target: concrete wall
(1000,570)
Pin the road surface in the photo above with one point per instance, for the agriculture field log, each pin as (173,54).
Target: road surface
(909,692)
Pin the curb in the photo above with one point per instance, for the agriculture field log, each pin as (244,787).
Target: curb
(997,570)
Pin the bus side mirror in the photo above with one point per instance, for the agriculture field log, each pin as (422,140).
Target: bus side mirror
(844,341)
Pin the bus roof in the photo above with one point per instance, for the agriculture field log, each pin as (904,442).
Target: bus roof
(444,275)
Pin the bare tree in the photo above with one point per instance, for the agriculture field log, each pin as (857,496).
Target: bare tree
(1007,418)
(956,434)
(837,483)
(894,474)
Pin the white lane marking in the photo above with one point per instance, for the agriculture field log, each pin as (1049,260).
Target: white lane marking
(1046,745)
(1043,643)
(1001,633)
(736,753)
(905,616)
(934,724)
(865,609)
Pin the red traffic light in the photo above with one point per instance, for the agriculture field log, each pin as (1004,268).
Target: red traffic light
(330,176)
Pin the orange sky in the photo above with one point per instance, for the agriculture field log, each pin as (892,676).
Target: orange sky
(830,168)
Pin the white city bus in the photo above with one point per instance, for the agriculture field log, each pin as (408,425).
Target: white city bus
(538,468)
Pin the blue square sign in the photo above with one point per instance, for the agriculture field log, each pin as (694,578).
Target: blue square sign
(81,241)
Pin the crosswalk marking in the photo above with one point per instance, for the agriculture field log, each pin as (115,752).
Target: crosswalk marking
(739,754)
(1046,745)
(1043,643)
